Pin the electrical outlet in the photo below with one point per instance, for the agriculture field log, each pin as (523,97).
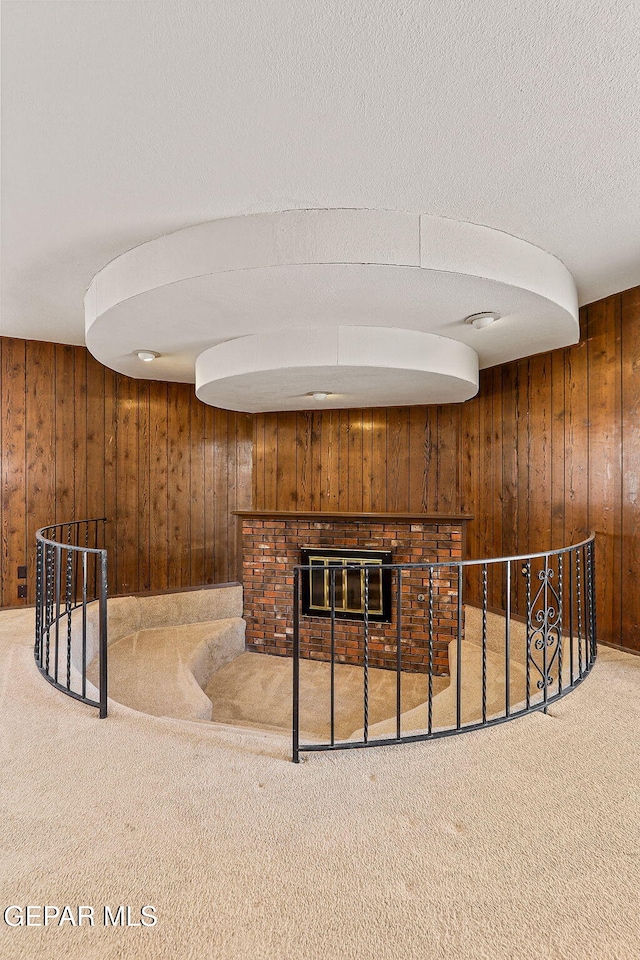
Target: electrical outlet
(22,572)
(22,591)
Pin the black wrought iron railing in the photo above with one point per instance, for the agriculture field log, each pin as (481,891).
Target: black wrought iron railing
(503,663)
(71,608)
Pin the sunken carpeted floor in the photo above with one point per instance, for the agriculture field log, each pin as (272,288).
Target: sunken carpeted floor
(520,841)
(255,690)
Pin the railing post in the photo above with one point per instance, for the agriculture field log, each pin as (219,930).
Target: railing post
(58,586)
(507,643)
(399,657)
(39,571)
(592,602)
(103,633)
(296,667)
(366,655)
(459,653)
(332,704)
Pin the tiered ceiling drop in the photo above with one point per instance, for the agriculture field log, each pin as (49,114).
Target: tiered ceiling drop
(359,307)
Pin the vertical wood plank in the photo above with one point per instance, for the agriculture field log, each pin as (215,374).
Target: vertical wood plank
(144,484)
(95,440)
(368,465)
(158,486)
(40,447)
(258,462)
(14,547)
(65,433)
(220,500)
(111,478)
(557,362)
(538,494)
(343,461)
(244,465)
(80,432)
(316,464)
(304,469)
(417,456)
(576,460)
(178,490)
(448,462)
(470,469)
(287,475)
(126,558)
(209,441)
(485,507)
(630,488)
(605,468)
(271,460)
(431,461)
(232,544)
(355,461)
(329,460)
(197,567)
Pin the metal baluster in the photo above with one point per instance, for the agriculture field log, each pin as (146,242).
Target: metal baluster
(545,633)
(459,654)
(76,557)
(591,601)
(84,624)
(296,665)
(507,643)
(103,633)
(484,642)
(38,646)
(49,600)
(527,570)
(430,692)
(398,656)
(58,576)
(579,596)
(570,557)
(333,654)
(96,585)
(366,655)
(68,611)
(560,572)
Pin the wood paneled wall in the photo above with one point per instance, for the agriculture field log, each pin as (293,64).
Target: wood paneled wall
(79,441)
(547,450)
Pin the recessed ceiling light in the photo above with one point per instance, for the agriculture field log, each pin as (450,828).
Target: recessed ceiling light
(481,320)
(319,396)
(147,355)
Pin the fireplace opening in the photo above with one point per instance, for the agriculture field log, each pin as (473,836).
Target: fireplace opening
(350,583)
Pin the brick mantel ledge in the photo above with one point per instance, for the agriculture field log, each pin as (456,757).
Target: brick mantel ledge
(321,515)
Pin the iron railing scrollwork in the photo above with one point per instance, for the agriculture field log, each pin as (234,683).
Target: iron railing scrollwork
(535,645)
(71,607)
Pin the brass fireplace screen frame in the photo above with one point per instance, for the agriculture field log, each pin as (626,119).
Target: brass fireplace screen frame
(349,566)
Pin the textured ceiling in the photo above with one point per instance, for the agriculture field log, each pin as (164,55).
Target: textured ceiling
(124,121)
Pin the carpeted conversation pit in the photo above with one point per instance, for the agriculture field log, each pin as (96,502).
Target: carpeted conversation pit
(186,660)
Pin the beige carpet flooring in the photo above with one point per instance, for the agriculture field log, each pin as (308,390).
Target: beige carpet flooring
(255,689)
(516,842)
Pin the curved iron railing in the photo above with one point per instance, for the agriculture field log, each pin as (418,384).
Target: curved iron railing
(538,646)
(71,575)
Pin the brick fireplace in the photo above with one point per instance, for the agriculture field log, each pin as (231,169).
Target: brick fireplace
(272,545)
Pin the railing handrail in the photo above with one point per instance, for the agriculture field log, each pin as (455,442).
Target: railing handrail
(42,538)
(428,565)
